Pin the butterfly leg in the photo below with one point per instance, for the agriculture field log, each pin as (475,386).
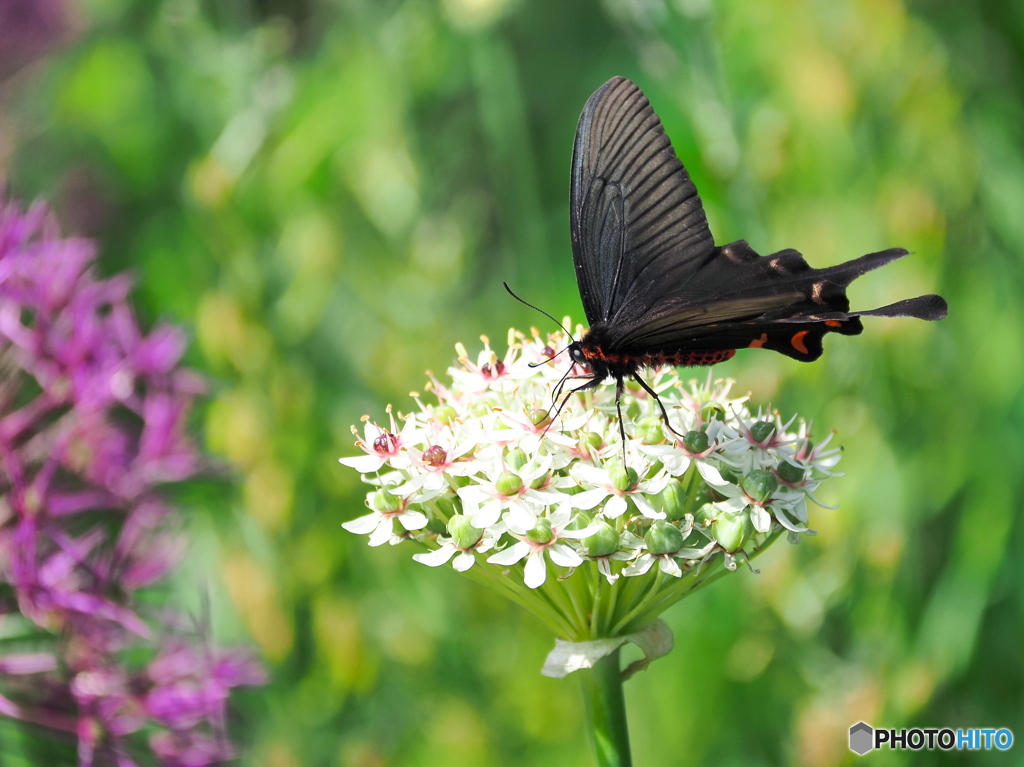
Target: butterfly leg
(664,413)
(619,386)
(591,383)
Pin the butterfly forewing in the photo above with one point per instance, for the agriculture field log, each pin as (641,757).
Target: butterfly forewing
(636,218)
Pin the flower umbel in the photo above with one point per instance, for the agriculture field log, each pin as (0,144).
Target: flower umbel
(567,530)
(92,423)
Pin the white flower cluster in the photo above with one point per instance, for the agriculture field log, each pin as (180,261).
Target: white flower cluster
(485,473)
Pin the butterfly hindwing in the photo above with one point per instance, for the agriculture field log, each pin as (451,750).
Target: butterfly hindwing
(741,292)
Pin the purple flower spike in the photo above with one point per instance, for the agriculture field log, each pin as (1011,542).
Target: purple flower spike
(92,423)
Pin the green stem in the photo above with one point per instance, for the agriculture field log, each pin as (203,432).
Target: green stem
(606,710)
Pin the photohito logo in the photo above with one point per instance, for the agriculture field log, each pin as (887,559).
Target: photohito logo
(864,738)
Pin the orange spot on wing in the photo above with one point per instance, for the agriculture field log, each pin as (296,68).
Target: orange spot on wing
(757,343)
(797,341)
(833,323)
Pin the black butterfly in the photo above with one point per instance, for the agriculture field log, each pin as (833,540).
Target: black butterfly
(655,287)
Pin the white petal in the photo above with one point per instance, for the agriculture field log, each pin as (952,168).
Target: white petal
(486,515)
(604,567)
(520,518)
(731,505)
(615,506)
(511,555)
(588,499)
(676,464)
(413,520)
(710,474)
(760,519)
(536,571)
(671,567)
(364,464)
(654,485)
(786,522)
(383,534)
(641,566)
(564,555)
(645,507)
(473,494)
(560,517)
(590,474)
(363,525)
(630,541)
(464,561)
(436,558)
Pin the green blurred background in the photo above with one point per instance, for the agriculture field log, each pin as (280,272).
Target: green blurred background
(328,193)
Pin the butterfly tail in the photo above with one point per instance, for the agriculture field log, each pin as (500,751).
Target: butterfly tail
(930,307)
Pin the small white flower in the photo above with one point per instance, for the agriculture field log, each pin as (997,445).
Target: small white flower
(380,522)
(535,546)
(381,446)
(614,493)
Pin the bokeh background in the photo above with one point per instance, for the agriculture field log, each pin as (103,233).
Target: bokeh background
(328,193)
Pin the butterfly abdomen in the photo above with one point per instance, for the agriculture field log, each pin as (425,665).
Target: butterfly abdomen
(623,363)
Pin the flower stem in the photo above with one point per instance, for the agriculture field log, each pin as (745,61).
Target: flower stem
(606,710)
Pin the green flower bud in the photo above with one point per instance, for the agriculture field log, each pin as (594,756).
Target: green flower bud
(385,502)
(445,414)
(712,411)
(731,530)
(672,500)
(663,538)
(480,409)
(542,532)
(590,442)
(790,473)
(762,431)
(463,533)
(760,485)
(602,543)
(538,483)
(650,432)
(539,417)
(515,459)
(705,514)
(509,484)
(623,478)
(696,441)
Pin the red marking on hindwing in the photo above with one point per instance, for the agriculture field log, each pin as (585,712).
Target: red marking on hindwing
(834,323)
(758,343)
(797,341)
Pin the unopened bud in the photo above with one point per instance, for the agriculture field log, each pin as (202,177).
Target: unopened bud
(650,432)
(603,542)
(762,431)
(541,532)
(731,530)
(760,485)
(623,479)
(663,538)
(463,534)
(696,441)
(509,484)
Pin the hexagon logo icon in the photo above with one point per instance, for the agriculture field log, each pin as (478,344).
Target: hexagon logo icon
(861,738)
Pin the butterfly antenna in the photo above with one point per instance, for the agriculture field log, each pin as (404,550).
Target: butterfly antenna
(527,303)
